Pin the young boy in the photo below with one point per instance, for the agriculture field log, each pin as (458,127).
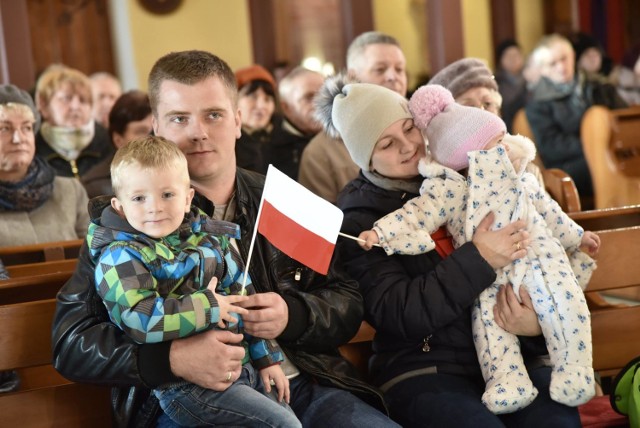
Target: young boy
(164,270)
(462,138)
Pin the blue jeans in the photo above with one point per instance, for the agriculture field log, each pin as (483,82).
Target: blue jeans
(440,400)
(245,403)
(323,406)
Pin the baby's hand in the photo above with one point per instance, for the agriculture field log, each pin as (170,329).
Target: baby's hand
(590,243)
(226,305)
(276,374)
(368,239)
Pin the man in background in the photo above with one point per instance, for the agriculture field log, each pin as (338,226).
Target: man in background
(296,90)
(326,166)
(105,89)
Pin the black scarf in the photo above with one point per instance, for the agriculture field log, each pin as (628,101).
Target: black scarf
(31,192)
(410,186)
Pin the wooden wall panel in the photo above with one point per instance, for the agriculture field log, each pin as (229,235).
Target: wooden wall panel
(72,32)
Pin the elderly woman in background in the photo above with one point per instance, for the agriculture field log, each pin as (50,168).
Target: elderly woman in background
(472,84)
(558,102)
(69,139)
(257,105)
(130,118)
(35,205)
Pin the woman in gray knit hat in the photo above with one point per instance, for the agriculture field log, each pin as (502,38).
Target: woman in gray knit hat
(472,84)
(424,357)
(35,205)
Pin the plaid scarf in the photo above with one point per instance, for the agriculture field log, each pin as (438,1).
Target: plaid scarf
(31,192)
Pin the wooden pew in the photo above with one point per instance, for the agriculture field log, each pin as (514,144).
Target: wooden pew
(608,218)
(562,189)
(32,288)
(37,253)
(616,327)
(611,145)
(44,398)
(33,269)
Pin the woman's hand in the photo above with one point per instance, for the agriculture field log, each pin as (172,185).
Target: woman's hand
(513,316)
(501,247)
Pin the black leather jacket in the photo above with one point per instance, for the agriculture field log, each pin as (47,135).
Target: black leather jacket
(324,312)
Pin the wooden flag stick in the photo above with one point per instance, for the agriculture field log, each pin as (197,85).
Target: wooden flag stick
(356,239)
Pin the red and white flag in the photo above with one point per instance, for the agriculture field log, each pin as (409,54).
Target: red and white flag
(297,222)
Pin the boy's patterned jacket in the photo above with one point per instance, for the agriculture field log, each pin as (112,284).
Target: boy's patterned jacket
(156,289)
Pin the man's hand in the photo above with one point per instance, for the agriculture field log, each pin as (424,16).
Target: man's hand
(268,315)
(501,247)
(209,359)
(513,316)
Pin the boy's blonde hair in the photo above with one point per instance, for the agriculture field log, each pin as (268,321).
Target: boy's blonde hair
(148,152)
(57,75)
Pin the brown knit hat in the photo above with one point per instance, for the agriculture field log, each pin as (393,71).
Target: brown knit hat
(464,74)
(254,72)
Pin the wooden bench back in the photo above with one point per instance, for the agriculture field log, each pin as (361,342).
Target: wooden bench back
(25,334)
(32,288)
(37,253)
(562,189)
(44,398)
(33,269)
(624,143)
(611,142)
(616,327)
(608,218)
(521,126)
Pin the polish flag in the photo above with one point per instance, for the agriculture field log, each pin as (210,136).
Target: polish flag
(297,222)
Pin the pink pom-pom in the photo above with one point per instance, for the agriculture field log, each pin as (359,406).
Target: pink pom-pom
(427,102)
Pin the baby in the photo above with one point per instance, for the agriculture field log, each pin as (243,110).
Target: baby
(165,271)
(469,140)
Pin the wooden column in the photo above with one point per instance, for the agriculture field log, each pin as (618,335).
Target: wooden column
(357,18)
(263,32)
(502,22)
(16,61)
(446,42)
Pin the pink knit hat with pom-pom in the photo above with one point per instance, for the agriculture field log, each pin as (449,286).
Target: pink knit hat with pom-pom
(452,129)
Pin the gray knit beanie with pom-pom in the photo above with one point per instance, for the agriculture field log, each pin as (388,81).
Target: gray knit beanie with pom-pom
(358,113)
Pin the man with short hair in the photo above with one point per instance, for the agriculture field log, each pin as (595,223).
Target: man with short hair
(194,101)
(105,90)
(326,166)
(298,126)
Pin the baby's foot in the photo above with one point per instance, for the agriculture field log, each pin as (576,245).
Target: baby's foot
(572,385)
(508,392)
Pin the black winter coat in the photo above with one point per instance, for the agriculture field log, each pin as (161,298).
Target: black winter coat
(555,113)
(324,312)
(419,305)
